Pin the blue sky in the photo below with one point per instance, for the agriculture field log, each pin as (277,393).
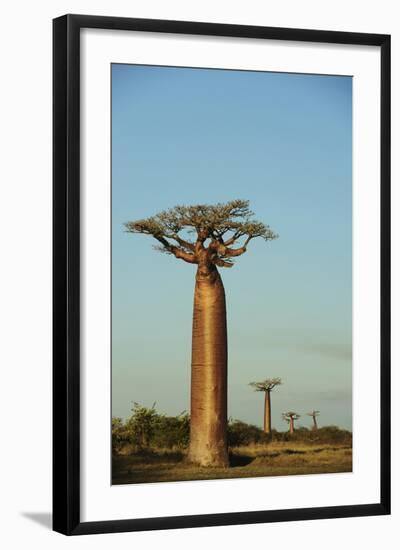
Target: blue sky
(282,141)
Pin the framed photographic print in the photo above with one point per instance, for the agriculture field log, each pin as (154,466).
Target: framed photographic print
(221,274)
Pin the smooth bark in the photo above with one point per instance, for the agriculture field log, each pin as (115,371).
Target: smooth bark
(267,412)
(208,416)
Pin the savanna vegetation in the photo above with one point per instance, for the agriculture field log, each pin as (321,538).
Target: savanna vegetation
(152,447)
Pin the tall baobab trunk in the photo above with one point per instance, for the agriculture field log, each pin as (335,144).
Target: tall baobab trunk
(315,426)
(267,412)
(208,416)
(291,425)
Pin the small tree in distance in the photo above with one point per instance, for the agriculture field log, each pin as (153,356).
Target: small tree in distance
(314,415)
(290,417)
(266,386)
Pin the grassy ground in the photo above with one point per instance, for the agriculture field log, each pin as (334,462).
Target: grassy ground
(272,459)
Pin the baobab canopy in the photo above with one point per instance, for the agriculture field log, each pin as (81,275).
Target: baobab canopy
(290,414)
(266,385)
(183,230)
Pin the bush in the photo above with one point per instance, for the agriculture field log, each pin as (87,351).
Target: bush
(327,434)
(240,433)
(141,424)
(333,434)
(171,431)
(147,429)
(120,435)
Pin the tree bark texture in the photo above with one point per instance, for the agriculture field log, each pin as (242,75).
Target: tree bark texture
(208,415)
(267,412)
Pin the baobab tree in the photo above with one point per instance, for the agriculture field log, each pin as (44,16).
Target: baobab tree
(314,415)
(266,386)
(209,237)
(290,417)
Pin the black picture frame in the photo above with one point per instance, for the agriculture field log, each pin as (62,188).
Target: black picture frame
(66,272)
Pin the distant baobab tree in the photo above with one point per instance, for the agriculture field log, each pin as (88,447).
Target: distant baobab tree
(203,235)
(290,417)
(314,415)
(266,386)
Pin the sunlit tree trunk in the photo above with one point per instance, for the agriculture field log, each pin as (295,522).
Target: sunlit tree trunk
(208,416)
(267,412)
(291,425)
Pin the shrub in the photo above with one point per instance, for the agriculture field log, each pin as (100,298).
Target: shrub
(141,425)
(120,435)
(326,434)
(240,433)
(171,431)
(147,429)
(333,434)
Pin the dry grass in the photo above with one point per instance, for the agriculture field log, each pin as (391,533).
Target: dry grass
(272,459)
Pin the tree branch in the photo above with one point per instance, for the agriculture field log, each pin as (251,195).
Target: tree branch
(186,256)
(181,241)
(177,252)
(233,252)
(233,239)
(222,263)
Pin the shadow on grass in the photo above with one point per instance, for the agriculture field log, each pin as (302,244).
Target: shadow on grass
(240,460)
